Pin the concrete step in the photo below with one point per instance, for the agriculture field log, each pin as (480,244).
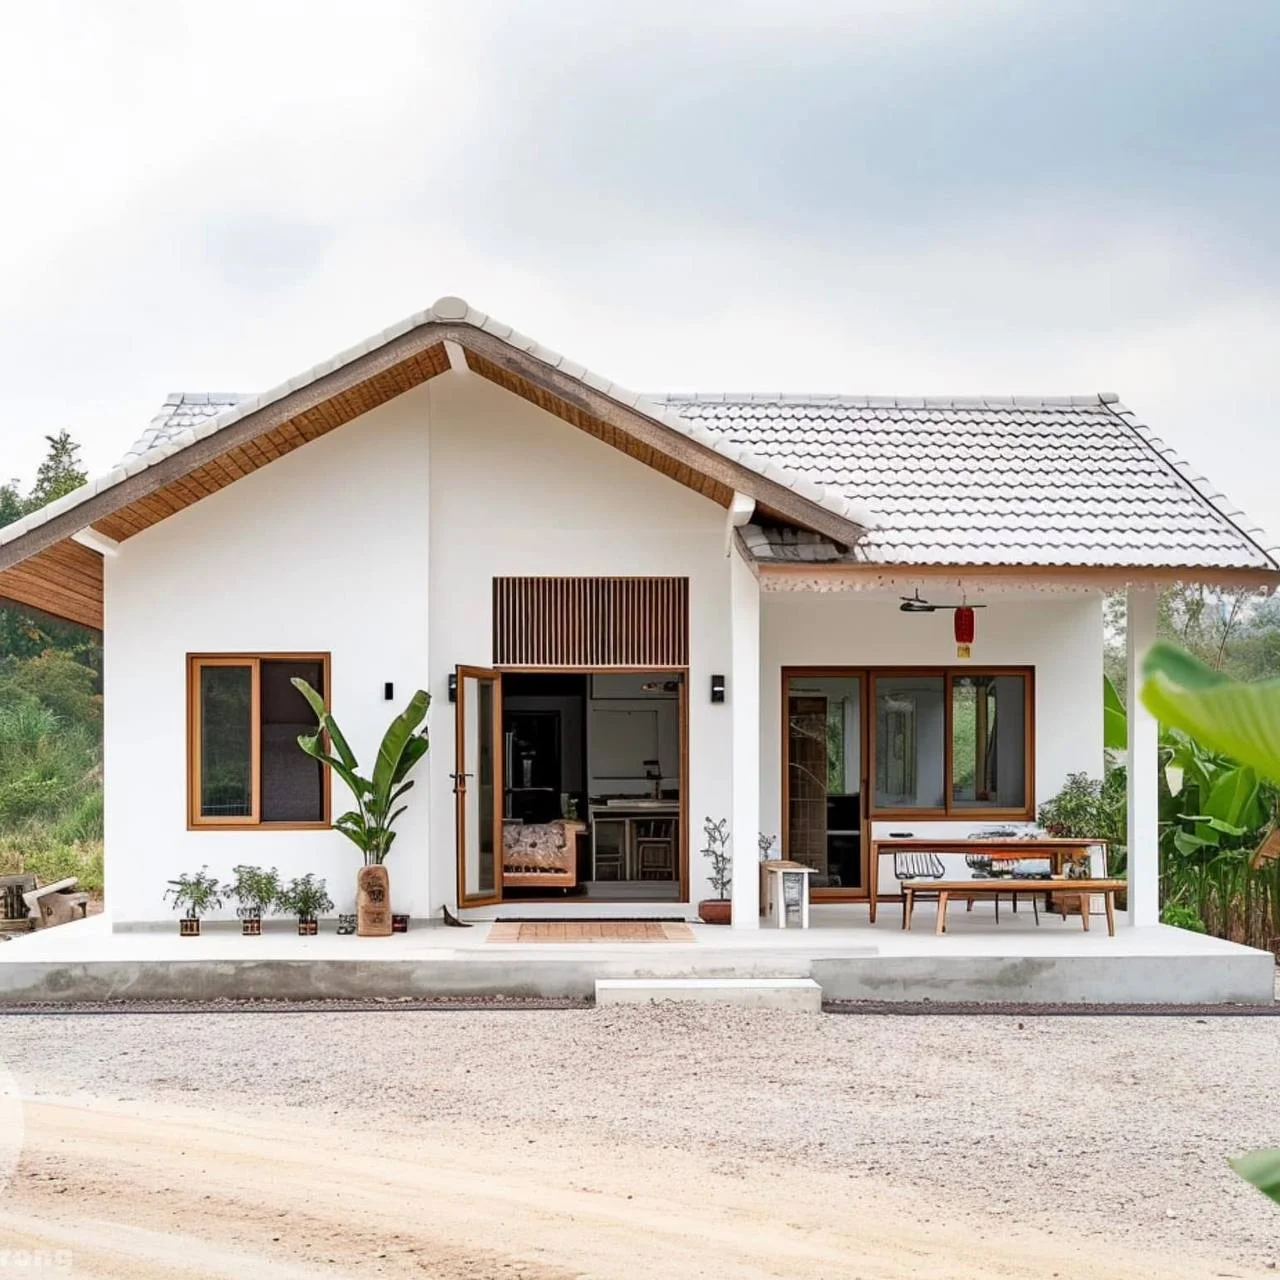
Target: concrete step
(798,994)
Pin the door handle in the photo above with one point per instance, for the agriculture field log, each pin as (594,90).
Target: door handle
(460,781)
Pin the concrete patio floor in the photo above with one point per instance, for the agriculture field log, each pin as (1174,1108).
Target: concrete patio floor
(977,960)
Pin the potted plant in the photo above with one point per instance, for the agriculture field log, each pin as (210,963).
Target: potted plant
(306,898)
(369,825)
(717,910)
(198,893)
(257,891)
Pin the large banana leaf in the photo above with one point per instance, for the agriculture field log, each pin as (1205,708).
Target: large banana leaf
(1240,720)
(1115,718)
(1262,1168)
(1234,798)
(327,723)
(401,747)
(368,826)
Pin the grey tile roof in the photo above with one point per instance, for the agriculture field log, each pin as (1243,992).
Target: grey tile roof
(180,411)
(1069,481)
(1073,480)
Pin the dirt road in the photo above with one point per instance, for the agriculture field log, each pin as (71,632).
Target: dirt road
(141,1191)
(668,1142)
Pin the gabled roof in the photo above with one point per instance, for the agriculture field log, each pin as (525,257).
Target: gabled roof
(1072,480)
(890,481)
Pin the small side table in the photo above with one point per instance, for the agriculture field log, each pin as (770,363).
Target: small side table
(784,893)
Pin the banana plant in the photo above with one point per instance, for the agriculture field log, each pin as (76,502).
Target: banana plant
(1242,721)
(369,825)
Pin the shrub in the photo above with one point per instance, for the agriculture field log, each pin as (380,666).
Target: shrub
(51,860)
(1182,917)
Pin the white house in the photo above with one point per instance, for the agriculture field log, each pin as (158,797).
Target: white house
(631,612)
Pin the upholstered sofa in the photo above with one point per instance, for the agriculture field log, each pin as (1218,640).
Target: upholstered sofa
(540,853)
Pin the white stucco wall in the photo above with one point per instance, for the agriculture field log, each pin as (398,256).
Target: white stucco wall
(516,491)
(324,550)
(379,542)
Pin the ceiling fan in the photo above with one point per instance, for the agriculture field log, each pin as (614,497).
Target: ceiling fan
(917,604)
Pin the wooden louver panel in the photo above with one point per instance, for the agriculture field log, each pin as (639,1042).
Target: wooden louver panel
(591,622)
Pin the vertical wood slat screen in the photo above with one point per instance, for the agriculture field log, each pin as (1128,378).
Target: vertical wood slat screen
(591,622)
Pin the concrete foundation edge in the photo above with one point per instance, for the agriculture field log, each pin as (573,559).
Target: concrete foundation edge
(1247,978)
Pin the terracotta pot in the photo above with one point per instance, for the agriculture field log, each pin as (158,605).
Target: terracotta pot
(715,911)
(373,902)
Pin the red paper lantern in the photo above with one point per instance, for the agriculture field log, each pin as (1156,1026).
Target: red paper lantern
(964,631)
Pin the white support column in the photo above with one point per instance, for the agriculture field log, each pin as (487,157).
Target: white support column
(744,707)
(1144,763)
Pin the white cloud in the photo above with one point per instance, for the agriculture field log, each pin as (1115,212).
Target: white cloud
(216,197)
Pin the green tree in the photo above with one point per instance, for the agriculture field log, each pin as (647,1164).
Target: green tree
(59,473)
(12,504)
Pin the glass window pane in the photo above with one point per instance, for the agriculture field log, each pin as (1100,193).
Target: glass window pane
(292,782)
(226,742)
(480,849)
(910,725)
(988,742)
(824,778)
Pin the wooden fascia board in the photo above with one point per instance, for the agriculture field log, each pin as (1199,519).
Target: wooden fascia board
(836,574)
(204,451)
(552,381)
(657,436)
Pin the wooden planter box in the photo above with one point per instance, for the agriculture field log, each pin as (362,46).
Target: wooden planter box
(189,927)
(307,928)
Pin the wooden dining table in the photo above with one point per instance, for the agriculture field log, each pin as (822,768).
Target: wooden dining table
(1007,849)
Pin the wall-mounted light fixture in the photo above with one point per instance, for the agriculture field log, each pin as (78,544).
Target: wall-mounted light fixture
(388,691)
(453,687)
(717,688)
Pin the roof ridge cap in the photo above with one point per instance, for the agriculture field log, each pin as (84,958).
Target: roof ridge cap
(885,401)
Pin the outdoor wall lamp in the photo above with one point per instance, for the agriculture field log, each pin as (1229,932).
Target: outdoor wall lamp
(453,687)
(717,688)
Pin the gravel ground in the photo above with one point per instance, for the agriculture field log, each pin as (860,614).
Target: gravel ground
(1120,1126)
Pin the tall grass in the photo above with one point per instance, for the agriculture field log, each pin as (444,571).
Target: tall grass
(51,810)
(1234,899)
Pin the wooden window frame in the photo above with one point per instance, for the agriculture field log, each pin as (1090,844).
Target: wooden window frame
(949,810)
(253,822)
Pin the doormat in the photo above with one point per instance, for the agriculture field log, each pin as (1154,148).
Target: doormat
(590,931)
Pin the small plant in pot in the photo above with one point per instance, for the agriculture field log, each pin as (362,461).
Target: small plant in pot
(198,893)
(369,825)
(306,898)
(257,891)
(717,910)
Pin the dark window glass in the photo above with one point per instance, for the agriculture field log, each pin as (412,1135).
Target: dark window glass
(226,742)
(292,782)
(988,742)
(910,742)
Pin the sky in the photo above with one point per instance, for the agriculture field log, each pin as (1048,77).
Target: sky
(869,196)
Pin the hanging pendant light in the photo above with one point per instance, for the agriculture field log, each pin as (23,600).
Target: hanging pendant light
(964,631)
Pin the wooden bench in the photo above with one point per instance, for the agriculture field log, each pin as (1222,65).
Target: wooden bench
(1061,887)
